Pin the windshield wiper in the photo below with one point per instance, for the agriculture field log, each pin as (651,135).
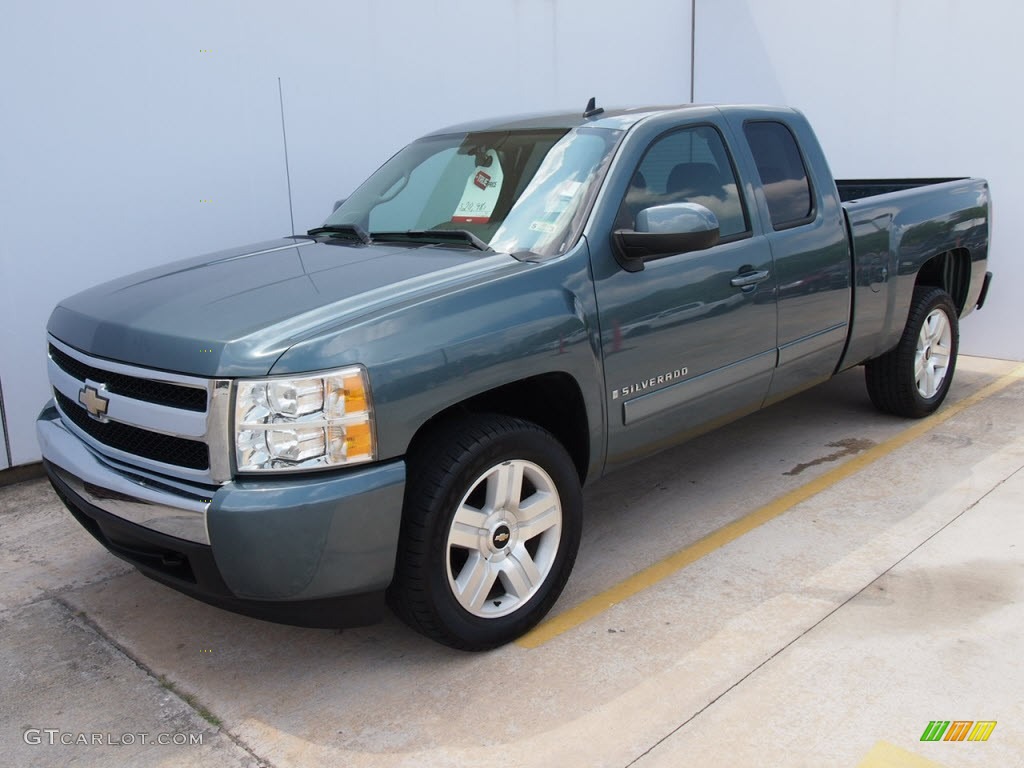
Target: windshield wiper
(438,236)
(352,230)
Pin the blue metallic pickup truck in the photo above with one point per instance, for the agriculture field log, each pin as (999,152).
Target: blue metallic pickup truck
(402,405)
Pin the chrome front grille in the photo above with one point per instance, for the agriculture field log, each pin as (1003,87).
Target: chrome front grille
(174,395)
(166,449)
(167,423)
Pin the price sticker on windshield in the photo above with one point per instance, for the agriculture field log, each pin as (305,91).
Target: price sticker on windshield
(481,193)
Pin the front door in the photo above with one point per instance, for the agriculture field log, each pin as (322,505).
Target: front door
(690,340)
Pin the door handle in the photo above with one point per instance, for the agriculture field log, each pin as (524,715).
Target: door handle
(749,278)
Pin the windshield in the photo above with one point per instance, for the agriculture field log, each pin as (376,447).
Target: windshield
(512,190)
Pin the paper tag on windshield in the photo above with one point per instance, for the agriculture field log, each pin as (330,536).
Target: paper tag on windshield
(481,193)
(562,196)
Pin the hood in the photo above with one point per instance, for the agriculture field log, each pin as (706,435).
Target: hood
(233,313)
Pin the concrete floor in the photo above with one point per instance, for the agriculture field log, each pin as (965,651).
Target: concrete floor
(866,578)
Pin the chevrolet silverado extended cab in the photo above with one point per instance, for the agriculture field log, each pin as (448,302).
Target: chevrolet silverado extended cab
(403,404)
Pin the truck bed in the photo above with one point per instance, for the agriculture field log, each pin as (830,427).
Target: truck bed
(857,189)
(898,225)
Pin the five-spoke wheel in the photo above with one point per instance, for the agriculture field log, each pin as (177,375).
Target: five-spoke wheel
(504,538)
(934,351)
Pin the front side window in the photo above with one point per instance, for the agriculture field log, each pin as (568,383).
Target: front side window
(782,173)
(687,166)
(517,191)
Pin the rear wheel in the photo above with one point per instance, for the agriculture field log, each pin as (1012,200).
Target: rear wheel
(490,531)
(913,379)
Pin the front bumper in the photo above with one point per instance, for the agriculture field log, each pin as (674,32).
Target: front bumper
(317,550)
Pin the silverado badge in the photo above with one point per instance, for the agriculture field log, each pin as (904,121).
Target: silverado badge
(652,383)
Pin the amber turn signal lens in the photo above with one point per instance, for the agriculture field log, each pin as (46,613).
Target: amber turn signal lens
(355,394)
(358,440)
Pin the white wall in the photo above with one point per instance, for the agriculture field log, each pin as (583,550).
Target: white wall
(115,124)
(893,88)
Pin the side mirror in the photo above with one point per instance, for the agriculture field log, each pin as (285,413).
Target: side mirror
(665,230)
(338,204)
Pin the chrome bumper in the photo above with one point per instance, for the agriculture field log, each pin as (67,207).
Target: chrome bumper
(131,497)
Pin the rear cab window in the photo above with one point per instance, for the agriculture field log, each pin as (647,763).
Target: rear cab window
(783,173)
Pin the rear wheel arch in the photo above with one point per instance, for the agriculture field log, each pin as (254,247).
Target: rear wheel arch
(950,271)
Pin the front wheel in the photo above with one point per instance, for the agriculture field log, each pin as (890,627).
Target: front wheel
(913,378)
(490,530)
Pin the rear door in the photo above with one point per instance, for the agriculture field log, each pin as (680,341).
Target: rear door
(804,226)
(690,339)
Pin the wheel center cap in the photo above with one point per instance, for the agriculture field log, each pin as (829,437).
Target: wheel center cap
(500,537)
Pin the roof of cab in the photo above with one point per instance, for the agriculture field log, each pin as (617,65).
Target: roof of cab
(616,118)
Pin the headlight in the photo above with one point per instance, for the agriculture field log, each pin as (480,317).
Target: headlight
(303,423)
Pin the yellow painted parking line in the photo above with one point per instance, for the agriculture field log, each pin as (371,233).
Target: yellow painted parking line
(591,607)
(886,755)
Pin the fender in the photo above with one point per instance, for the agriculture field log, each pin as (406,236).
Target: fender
(525,320)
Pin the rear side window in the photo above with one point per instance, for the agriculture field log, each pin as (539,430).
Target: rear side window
(782,172)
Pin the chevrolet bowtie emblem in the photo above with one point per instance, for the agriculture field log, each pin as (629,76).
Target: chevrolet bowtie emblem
(501,538)
(93,401)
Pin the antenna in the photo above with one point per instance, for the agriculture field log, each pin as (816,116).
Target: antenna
(592,109)
(693,48)
(287,170)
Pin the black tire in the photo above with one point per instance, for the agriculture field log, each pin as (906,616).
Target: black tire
(453,469)
(892,381)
